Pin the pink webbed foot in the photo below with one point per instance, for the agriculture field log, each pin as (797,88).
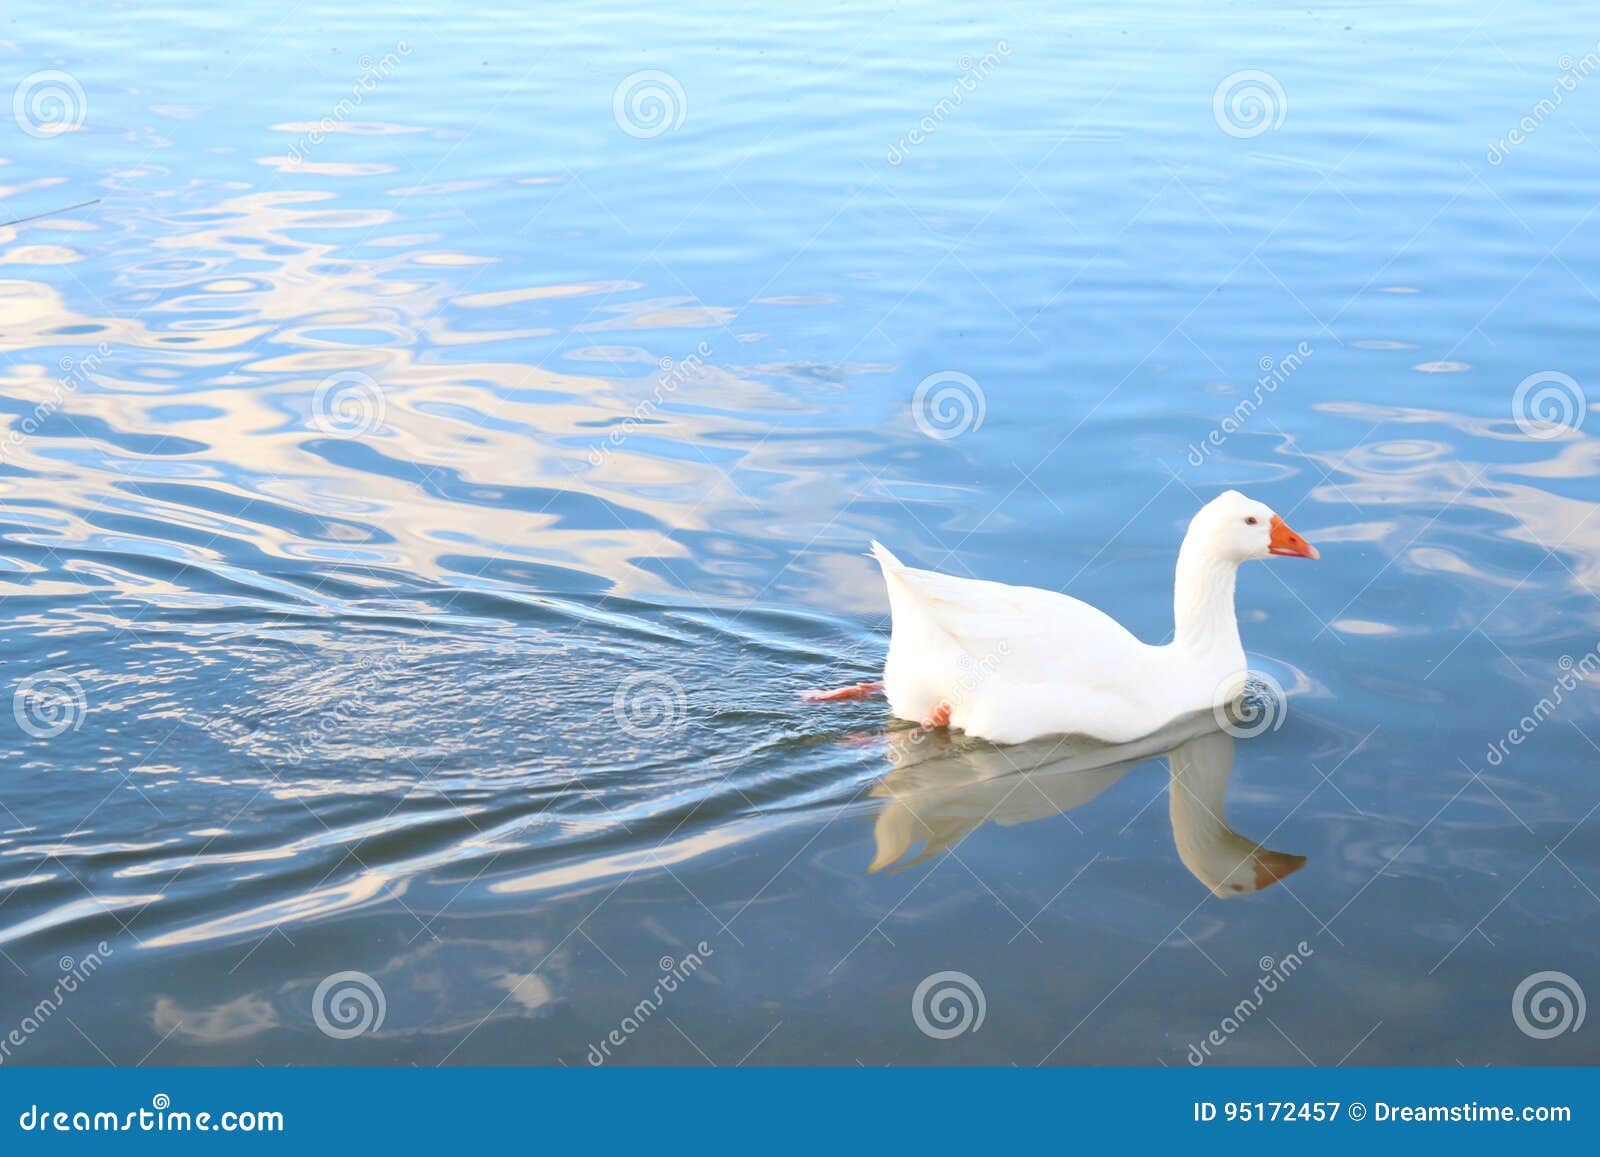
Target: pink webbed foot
(841,694)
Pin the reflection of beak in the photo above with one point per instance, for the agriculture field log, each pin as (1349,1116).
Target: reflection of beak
(1287,543)
(1274,866)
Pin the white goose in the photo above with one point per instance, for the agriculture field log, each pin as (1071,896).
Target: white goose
(1009,664)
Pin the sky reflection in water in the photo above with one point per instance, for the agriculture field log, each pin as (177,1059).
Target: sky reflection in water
(352,469)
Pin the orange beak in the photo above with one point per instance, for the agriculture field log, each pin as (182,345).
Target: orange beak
(1274,866)
(1287,543)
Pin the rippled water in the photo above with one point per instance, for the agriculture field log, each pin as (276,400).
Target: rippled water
(439,457)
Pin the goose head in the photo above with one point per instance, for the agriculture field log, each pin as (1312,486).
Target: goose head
(1233,528)
(1228,530)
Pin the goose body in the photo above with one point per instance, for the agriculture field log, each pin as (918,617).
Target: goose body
(1010,664)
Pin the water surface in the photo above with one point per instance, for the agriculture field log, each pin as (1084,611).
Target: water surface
(431,474)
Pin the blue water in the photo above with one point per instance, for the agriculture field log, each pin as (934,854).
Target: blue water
(430,476)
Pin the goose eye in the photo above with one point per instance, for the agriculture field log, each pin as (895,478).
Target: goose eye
(1251,521)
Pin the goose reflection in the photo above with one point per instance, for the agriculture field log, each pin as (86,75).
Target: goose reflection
(943,787)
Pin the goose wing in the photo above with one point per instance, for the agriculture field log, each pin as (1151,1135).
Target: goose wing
(1025,633)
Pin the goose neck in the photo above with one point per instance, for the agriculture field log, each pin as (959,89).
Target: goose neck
(1203,615)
